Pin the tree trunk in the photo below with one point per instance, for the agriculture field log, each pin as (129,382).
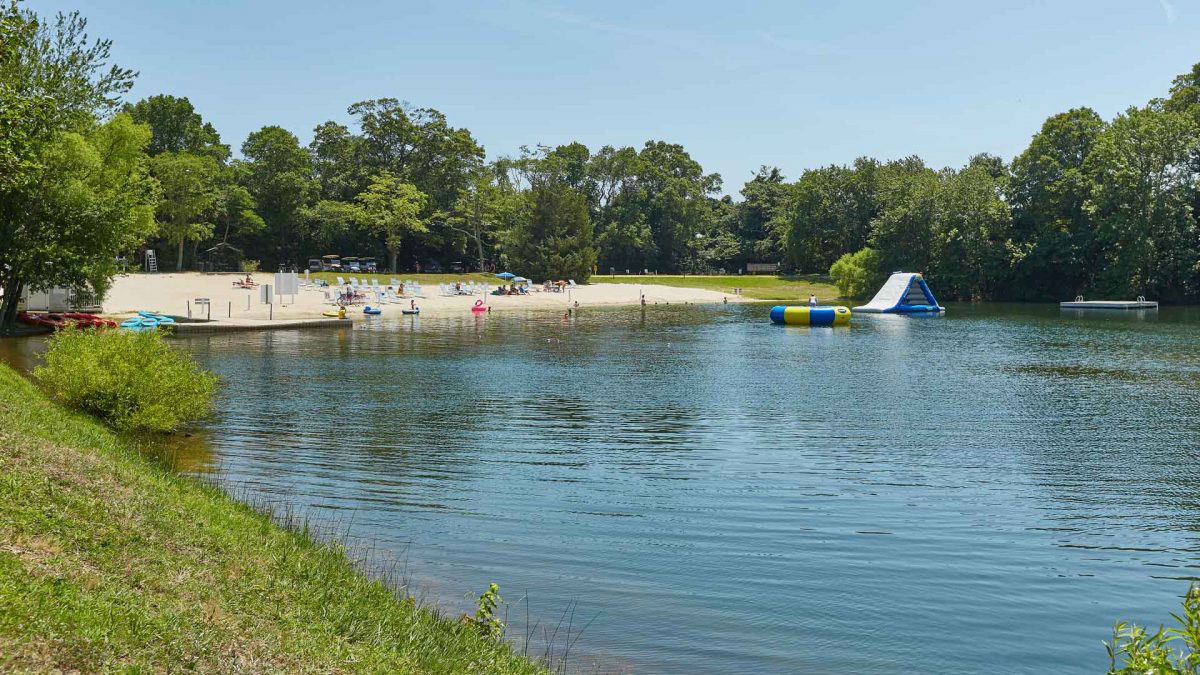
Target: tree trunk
(179,258)
(479,245)
(12,294)
(393,254)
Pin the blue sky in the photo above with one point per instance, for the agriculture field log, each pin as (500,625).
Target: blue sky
(795,84)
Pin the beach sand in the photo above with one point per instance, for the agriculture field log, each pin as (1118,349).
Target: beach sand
(170,294)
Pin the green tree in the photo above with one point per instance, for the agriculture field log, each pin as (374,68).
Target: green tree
(857,274)
(479,211)
(190,193)
(972,246)
(329,222)
(553,239)
(338,161)
(903,232)
(1143,182)
(92,199)
(176,127)
(1053,232)
(278,174)
(72,194)
(234,211)
(417,146)
(392,208)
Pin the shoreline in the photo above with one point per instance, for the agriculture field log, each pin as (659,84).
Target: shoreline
(141,567)
(175,293)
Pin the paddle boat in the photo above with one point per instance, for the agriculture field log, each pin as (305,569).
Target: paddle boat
(414,310)
(372,310)
(479,307)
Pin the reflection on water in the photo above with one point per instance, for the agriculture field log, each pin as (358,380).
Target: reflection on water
(981,492)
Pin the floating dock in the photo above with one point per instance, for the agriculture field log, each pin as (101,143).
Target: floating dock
(1080,303)
(249,324)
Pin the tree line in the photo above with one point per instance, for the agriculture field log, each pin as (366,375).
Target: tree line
(1092,207)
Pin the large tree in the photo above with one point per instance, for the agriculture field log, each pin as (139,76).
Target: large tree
(553,239)
(1144,180)
(190,193)
(392,208)
(417,146)
(1053,232)
(278,174)
(92,199)
(73,193)
(176,127)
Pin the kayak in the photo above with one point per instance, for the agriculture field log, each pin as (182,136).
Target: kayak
(54,321)
(332,313)
(411,311)
(147,321)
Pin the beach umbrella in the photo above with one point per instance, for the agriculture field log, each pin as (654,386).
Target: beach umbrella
(506,275)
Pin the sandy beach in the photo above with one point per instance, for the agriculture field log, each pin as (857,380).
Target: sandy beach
(171,294)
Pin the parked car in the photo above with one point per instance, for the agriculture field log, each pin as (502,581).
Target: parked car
(368,265)
(350,264)
(331,263)
(314,265)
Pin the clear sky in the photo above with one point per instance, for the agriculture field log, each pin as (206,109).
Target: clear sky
(795,84)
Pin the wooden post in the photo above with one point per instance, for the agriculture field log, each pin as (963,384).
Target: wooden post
(230,314)
(189,306)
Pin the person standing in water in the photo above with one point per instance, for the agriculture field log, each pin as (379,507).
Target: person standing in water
(812,300)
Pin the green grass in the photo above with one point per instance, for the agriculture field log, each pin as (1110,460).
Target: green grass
(110,562)
(757,287)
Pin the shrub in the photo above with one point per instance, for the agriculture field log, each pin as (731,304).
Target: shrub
(856,274)
(1143,652)
(134,381)
(250,266)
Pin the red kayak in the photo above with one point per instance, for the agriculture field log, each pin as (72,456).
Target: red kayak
(55,321)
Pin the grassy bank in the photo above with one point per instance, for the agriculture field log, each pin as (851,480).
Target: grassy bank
(753,287)
(109,562)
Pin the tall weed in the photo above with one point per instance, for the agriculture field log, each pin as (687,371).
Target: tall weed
(133,381)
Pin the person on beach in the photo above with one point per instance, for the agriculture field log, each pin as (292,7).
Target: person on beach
(812,300)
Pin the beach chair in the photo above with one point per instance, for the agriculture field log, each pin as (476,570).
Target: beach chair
(341,281)
(571,283)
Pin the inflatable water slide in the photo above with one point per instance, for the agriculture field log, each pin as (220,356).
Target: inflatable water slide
(903,293)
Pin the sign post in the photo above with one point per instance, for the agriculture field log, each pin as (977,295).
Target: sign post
(207,307)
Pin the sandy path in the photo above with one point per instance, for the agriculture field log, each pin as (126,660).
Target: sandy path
(170,293)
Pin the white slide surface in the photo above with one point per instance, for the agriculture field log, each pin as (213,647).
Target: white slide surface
(890,295)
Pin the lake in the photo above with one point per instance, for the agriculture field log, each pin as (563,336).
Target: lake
(986,491)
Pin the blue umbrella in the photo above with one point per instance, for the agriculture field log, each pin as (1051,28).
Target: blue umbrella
(520,280)
(506,275)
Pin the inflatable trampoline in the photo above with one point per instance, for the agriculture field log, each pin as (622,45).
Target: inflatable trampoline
(903,293)
(811,316)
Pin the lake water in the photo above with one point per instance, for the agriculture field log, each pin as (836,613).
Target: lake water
(982,492)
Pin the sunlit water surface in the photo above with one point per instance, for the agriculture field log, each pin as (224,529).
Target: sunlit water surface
(981,492)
